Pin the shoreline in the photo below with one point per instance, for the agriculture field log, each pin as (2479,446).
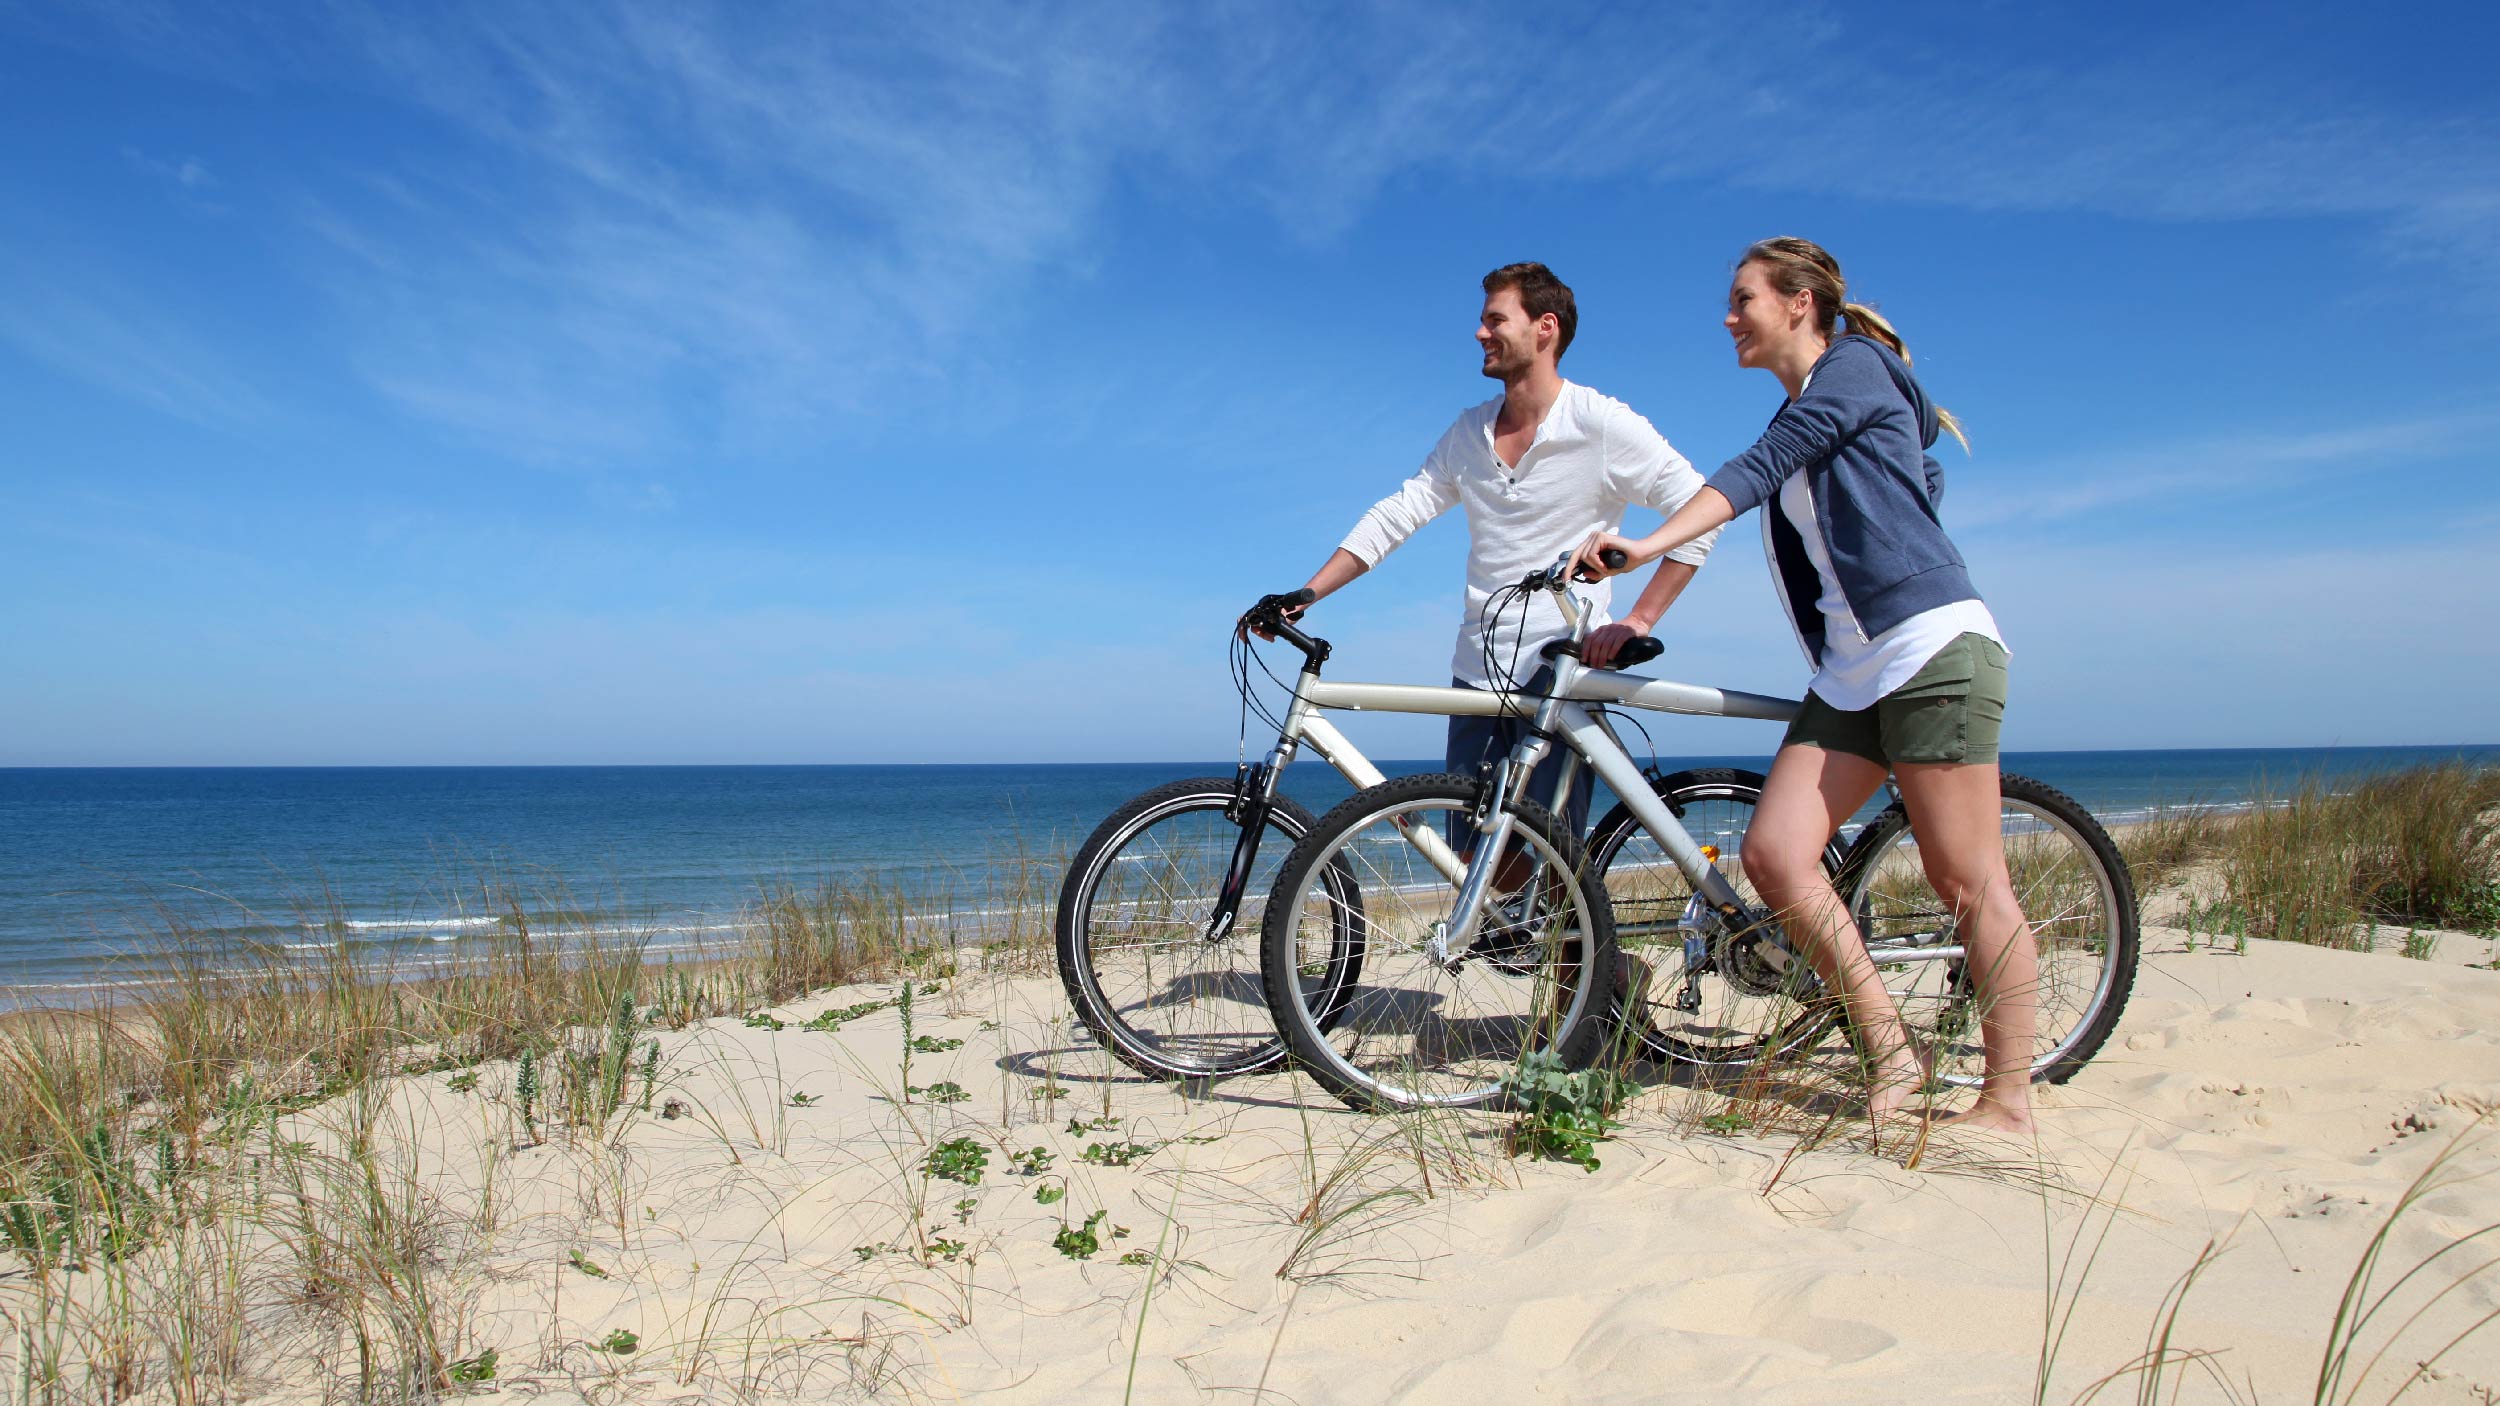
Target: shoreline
(427,946)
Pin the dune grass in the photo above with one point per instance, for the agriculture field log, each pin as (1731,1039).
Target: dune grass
(205,1182)
(193,1180)
(2309,862)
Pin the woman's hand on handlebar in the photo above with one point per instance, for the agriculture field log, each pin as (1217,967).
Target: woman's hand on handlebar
(1589,563)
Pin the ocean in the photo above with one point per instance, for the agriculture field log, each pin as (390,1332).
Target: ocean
(97,864)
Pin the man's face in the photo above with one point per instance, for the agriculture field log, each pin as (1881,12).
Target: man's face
(1507,334)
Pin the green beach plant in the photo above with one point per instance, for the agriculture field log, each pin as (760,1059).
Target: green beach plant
(1082,1242)
(958,1160)
(1563,1113)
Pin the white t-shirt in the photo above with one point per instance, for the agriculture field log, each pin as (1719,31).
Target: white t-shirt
(1592,457)
(1857,672)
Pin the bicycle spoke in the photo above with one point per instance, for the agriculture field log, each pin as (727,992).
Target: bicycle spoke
(1134,944)
(1417,1029)
(2075,896)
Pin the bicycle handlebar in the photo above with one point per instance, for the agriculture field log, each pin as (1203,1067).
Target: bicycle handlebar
(1274,615)
(1561,574)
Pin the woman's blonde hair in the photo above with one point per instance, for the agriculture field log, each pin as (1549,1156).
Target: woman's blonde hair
(1802,266)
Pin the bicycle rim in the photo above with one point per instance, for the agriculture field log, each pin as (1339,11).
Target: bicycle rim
(2071,888)
(1412,1031)
(1142,968)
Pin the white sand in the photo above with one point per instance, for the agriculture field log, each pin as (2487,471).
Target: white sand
(2277,1102)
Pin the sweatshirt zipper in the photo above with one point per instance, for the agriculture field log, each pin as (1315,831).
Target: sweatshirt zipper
(1815,511)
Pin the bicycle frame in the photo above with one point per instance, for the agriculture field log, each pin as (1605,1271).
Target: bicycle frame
(1569,711)
(1566,713)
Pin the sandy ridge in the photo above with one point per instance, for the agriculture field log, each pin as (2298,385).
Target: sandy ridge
(2277,1101)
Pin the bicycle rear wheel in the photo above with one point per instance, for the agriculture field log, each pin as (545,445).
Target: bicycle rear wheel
(1414,1027)
(1701,989)
(1164,979)
(2072,886)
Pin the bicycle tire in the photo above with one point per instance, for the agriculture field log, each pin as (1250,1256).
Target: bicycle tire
(1143,887)
(2074,889)
(1716,1002)
(1407,1031)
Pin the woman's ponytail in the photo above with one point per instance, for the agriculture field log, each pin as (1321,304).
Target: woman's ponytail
(1802,266)
(1866,322)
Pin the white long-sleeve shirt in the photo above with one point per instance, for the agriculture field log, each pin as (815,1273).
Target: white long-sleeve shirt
(1592,457)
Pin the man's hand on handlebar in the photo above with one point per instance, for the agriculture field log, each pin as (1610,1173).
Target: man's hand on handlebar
(1599,649)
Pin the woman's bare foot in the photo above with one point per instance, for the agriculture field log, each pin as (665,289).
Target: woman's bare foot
(1988,1115)
(1899,1079)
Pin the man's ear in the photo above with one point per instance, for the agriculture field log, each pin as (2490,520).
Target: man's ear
(1548,330)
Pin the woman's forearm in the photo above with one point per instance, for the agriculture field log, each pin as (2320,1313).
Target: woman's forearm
(1705,510)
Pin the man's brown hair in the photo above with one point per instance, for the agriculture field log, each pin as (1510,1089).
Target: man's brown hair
(1540,292)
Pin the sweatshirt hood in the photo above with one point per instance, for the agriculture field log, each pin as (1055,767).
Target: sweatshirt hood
(1929,426)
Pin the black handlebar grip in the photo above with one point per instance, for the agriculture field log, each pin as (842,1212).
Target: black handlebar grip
(1612,556)
(1639,649)
(1273,611)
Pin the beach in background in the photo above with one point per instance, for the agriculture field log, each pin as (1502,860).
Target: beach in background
(97,865)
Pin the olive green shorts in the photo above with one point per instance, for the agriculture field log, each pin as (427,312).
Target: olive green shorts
(1949,711)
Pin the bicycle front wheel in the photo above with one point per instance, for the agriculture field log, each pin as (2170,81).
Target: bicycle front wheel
(1418,1025)
(1154,965)
(2073,888)
(1701,989)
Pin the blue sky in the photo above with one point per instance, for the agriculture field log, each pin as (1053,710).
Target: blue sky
(678,383)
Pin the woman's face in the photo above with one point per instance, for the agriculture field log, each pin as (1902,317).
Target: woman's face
(1763,322)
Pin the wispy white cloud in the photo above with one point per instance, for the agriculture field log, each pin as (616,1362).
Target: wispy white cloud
(187,172)
(2253,644)
(2021,495)
(114,339)
(782,213)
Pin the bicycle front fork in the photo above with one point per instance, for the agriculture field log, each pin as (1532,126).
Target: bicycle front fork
(1494,822)
(1254,792)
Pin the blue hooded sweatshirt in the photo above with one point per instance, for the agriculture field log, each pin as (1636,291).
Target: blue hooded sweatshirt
(1860,434)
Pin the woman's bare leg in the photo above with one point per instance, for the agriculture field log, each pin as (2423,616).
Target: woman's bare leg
(1809,794)
(1955,815)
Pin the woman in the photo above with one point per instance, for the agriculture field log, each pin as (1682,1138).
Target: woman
(1909,666)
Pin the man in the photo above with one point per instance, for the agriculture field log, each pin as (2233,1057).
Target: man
(1538,469)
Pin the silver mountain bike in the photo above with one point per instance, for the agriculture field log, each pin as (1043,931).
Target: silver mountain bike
(1434,989)
(1158,919)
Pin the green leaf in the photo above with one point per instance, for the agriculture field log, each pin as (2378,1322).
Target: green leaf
(480,1368)
(957,1160)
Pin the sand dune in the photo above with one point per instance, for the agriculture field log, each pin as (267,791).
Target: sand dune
(2277,1102)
